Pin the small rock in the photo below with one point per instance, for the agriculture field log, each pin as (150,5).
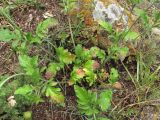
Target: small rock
(117,85)
(47,14)
(156,31)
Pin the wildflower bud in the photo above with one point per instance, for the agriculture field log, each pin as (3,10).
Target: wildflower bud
(80,72)
(105,75)
(96,65)
(48,75)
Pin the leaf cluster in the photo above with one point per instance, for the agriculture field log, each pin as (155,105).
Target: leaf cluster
(84,65)
(90,103)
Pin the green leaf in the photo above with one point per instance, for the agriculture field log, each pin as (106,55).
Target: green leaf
(143,15)
(6,35)
(113,77)
(63,36)
(54,67)
(18,35)
(24,90)
(144,18)
(82,53)
(30,65)
(103,118)
(76,75)
(116,52)
(90,76)
(87,101)
(135,1)
(65,56)
(81,93)
(53,83)
(78,51)
(69,5)
(139,12)
(42,28)
(33,39)
(156,16)
(123,51)
(96,52)
(18,38)
(27,115)
(89,65)
(106,26)
(89,72)
(105,99)
(55,94)
(131,35)
(34,98)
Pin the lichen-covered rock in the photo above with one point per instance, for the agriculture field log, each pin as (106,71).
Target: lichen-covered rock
(111,13)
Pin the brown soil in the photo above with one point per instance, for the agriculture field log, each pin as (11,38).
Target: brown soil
(27,17)
(49,111)
(8,59)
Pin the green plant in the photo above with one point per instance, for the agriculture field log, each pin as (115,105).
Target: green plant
(27,115)
(116,52)
(25,2)
(54,93)
(113,77)
(50,89)
(135,2)
(92,104)
(31,86)
(68,5)
(84,65)
(64,58)
(6,35)
(30,65)
(12,105)
(118,49)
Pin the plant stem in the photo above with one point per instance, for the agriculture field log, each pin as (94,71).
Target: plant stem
(9,19)
(138,68)
(94,115)
(70,28)
(155,72)
(129,74)
(123,36)
(3,82)
(138,103)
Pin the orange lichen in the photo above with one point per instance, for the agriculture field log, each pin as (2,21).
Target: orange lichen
(86,11)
